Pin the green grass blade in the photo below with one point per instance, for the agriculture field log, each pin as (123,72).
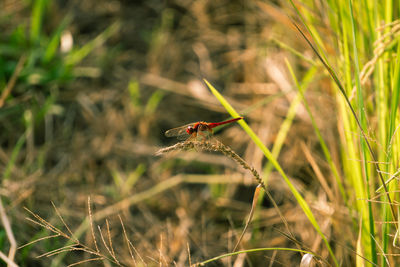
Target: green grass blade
(391,147)
(370,233)
(14,155)
(37,19)
(353,113)
(153,102)
(394,99)
(252,251)
(295,52)
(77,56)
(52,47)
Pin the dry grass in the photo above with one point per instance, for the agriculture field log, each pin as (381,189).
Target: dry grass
(100,136)
(95,254)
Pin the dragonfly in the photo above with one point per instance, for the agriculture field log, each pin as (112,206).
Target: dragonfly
(196,130)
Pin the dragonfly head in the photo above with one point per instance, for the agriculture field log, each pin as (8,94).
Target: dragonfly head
(190,130)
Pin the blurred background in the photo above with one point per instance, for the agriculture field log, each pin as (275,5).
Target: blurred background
(88,90)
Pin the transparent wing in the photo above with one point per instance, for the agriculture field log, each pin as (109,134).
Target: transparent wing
(179,131)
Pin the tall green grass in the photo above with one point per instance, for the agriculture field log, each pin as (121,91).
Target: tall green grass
(364,65)
(365,69)
(273,160)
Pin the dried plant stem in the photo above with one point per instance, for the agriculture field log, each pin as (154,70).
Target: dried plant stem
(11,83)
(253,206)
(75,245)
(129,244)
(10,235)
(217,147)
(91,226)
(227,151)
(7,260)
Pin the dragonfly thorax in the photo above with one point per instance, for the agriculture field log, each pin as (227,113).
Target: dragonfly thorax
(202,126)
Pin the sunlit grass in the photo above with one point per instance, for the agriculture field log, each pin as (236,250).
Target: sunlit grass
(300,200)
(376,140)
(368,133)
(355,49)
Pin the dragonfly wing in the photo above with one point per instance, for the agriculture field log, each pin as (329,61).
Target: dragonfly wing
(183,137)
(179,131)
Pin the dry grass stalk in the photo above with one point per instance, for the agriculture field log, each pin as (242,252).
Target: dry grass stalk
(254,204)
(380,48)
(216,147)
(85,261)
(189,257)
(227,151)
(62,220)
(129,243)
(7,260)
(91,226)
(110,242)
(109,250)
(76,244)
(10,235)
(11,83)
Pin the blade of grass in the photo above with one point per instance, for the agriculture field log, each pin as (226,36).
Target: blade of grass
(14,155)
(37,19)
(52,46)
(294,51)
(341,88)
(383,75)
(361,109)
(254,250)
(77,56)
(300,200)
(394,104)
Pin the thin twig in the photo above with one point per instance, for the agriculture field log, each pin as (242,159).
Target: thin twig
(40,239)
(7,260)
(91,226)
(66,226)
(84,261)
(107,248)
(77,246)
(253,206)
(189,257)
(10,234)
(58,250)
(110,242)
(11,83)
(128,242)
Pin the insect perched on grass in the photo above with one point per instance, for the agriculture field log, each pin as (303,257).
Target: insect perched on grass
(196,130)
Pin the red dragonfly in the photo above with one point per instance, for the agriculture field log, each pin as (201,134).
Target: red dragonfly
(196,129)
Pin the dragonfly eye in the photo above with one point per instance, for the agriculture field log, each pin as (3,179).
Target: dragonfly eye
(190,129)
